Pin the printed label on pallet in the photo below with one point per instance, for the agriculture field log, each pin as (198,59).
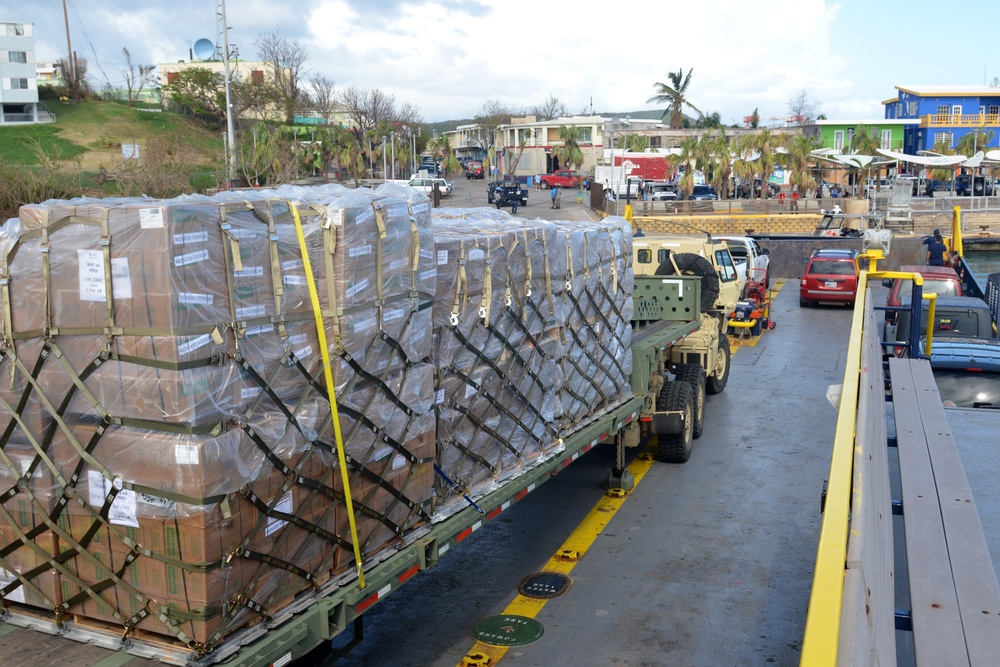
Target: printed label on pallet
(284,505)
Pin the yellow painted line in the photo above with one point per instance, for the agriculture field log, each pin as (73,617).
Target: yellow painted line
(576,545)
(724,214)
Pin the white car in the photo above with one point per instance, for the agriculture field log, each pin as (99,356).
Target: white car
(426,185)
(752,261)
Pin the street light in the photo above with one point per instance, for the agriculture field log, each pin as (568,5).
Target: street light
(383,158)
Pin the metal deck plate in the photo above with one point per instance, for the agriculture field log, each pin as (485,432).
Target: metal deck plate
(544,585)
(508,630)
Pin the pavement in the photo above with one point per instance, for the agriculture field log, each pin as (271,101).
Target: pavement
(471,193)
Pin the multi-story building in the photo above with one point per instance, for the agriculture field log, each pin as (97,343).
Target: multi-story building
(839,134)
(18,86)
(939,115)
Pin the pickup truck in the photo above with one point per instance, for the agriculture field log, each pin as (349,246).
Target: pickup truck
(562,178)
(752,261)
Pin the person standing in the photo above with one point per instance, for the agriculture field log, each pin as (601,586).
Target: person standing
(538,181)
(795,199)
(552,196)
(558,197)
(937,252)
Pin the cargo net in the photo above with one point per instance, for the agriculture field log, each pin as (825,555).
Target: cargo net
(168,468)
(531,336)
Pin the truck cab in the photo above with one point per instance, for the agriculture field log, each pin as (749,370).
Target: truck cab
(704,255)
(752,261)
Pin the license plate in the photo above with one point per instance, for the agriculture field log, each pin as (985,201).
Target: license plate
(831,283)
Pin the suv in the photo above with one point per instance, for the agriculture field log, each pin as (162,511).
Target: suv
(700,192)
(830,276)
(967,186)
(426,185)
(503,193)
(660,191)
(941,280)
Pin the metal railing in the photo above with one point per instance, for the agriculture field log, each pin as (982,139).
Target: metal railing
(724,207)
(959,120)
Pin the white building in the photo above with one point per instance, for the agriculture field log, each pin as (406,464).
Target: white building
(18,85)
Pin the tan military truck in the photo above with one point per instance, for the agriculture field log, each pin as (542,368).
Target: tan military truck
(701,359)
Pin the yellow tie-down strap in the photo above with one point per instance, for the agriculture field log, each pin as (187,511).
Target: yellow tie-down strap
(331,392)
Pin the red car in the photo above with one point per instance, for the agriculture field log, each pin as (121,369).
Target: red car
(830,276)
(941,280)
(474,170)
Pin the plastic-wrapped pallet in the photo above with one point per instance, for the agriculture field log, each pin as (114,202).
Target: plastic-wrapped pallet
(165,431)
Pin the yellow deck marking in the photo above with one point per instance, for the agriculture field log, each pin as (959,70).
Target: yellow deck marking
(579,541)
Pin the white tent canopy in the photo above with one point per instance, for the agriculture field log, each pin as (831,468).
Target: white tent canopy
(928,160)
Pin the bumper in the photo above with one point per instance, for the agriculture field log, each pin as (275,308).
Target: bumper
(827,295)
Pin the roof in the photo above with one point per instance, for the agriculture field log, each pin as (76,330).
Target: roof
(870,121)
(950,91)
(926,270)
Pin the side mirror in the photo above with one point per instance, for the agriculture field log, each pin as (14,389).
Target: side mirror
(886,282)
(765,251)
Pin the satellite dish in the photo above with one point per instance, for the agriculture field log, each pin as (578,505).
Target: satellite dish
(204,49)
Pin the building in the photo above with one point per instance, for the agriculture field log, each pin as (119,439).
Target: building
(944,114)
(18,83)
(839,134)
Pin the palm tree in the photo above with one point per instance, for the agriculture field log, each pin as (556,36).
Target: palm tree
(745,159)
(865,142)
(637,143)
(716,146)
(674,96)
(449,162)
(686,158)
(568,151)
(767,143)
(801,162)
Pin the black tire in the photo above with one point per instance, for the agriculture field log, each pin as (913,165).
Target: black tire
(803,303)
(691,264)
(545,186)
(720,377)
(694,374)
(676,448)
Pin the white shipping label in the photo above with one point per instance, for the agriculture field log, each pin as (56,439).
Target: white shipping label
(304,352)
(246,312)
(190,258)
(259,329)
(191,237)
(151,218)
(428,275)
(356,287)
(295,280)
(121,279)
(195,299)
(284,505)
(439,396)
(291,264)
(298,339)
(393,314)
(91,275)
(156,501)
(249,272)
(359,251)
(6,578)
(187,455)
(442,257)
(398,461)
(194,344)
(123,509)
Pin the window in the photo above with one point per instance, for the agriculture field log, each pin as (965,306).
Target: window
(913,109)
(584,135)
(838,140)
(655,142)
(982,110)
(943,110)
(644,256)
(886,142)
(946,138)
(15,30)
(956,109)
(725,262)
(16,84)
(257,76)
(993,109)
(17,56)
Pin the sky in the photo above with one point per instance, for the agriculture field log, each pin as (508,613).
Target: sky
(449,57)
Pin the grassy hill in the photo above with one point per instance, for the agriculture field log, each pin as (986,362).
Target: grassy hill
(92,134)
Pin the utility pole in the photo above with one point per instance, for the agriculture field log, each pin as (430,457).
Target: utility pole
(69,54)
(230,123)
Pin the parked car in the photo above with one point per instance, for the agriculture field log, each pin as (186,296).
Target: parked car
(473,169)
(426,185)
(703,192)
(967,371)
(660,191)
(830,276)
(752,261)
(940,280)
(967,186)
(563,178)
(873,186)
(502,193)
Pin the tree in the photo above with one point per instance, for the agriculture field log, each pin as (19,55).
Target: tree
(715,146)
(569,152)
(712,120)
(864,141)
(674,96)
(492,115)
(755,119)
(75,77)
(974,141)
(199,92)
(367,107)
(520,151)
(550,109)
(801,162)
(441,144)
(801,107)
(136,77)
(323,98)
(284,60)
(766,143)
(686,158)
(637,143)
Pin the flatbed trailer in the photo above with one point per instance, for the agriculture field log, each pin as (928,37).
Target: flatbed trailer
(666,314)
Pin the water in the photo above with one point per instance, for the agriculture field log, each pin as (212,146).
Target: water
(982,263)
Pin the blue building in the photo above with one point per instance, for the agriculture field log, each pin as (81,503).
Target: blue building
(945,114)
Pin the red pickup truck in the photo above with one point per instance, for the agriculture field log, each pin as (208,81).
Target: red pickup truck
(562,178)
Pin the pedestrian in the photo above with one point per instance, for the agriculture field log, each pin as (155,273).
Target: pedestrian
(937,252)
(558,197)
(641,191)
(553,195)
(538,181)
(515,199)
(795,199)
(436,195)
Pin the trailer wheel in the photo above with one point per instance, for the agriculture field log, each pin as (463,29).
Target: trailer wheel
(676,396)
(720,378)
(691,264)
(694,374)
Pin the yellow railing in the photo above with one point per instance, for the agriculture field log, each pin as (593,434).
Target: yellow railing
(959,120)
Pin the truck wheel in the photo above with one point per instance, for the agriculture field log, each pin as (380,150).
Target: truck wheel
(676,396)
(545,186)
(691,264)
(694,374)
(720,378)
